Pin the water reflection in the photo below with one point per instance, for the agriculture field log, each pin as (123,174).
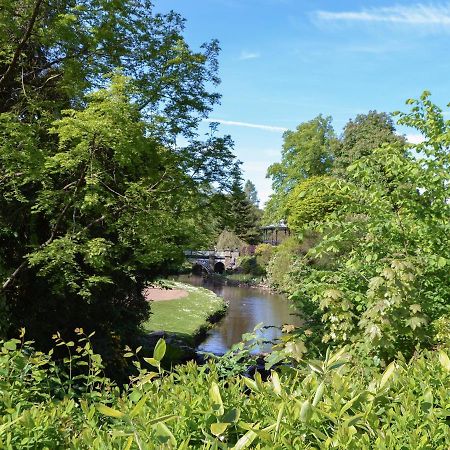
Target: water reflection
(248,307)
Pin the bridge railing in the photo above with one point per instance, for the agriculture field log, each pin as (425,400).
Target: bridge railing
(199,253)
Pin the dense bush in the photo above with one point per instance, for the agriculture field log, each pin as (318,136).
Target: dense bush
(280,265)
(228,240)
(333,403)
(249,265)
(377,271)
(311,201)
(264,253)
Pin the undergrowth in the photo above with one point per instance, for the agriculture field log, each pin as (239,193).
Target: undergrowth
(338,402)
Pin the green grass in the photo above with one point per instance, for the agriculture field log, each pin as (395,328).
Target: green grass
(187,317)
(243,277)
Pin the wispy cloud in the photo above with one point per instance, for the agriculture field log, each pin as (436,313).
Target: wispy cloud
(416,14)
(415,138)
(245,55)
(247,125)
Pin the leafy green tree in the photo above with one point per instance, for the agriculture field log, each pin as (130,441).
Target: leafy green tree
(96,198)
(250,192)
(362,136)
(54,51)
(311,201)
(389,242)
(307,151)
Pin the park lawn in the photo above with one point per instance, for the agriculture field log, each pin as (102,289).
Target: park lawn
(187,317)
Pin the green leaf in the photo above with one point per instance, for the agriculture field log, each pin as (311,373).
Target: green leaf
(129,443)
(152,361)
(214,394)
(218,428)
(319,393)
(164,435)
(107,411)
(387,374)
(349,404)
(444,360)
(316,366)
(306,411)
(231,416)
(139,405)
(251,384)
(279,417)
(441,262)
(276,383)
(161,419)
(353,420)
(160,350)
(10,345)
(246,440)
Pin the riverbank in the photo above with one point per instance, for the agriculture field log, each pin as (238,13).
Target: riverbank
(187,316)
(241,280)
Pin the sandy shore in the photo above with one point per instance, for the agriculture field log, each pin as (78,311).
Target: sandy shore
(159,295)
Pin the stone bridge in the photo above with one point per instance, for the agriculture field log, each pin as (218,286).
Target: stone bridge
(211,261)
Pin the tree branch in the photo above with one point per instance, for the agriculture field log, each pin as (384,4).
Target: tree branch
(22,43)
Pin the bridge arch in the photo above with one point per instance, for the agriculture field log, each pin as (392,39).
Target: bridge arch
(219,267)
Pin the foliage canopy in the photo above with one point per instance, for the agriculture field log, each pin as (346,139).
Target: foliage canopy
(96,197)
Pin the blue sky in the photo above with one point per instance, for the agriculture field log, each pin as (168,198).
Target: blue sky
(285,61)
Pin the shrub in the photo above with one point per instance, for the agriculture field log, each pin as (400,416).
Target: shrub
(335,402)
(312,200)
(228,240)
(264,253)
(249,265)
(281,264)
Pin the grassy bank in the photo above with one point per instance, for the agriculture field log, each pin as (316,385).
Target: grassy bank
(188,317)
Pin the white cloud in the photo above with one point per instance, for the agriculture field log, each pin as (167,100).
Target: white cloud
(415,138)
(247,125)
(249,55)
(416,14)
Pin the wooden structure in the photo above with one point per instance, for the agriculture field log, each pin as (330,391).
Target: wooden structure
(275,234)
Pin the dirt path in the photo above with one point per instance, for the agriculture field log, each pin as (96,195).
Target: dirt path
(160,295)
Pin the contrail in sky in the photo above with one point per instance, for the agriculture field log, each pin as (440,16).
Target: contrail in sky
(247,125)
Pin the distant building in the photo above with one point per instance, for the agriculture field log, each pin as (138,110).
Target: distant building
(275,234)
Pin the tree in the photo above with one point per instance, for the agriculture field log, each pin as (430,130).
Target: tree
(307,151)
(387,281)
(240,215)
(362,136)
(54,51)
(250,192)
(228,240)
(311,201)
(96,198)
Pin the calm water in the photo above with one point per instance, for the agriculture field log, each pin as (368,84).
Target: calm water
(248,307)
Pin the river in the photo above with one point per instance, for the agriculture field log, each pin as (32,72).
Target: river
(247,308)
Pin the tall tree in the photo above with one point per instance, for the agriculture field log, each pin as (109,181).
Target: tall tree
(307,151)
(95,198)
(362,136)
(241,216)
(385,250)
(251,193)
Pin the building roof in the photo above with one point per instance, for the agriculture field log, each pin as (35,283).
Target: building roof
(276,226)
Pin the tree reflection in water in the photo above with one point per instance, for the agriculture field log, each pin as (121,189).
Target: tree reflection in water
(248,307)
